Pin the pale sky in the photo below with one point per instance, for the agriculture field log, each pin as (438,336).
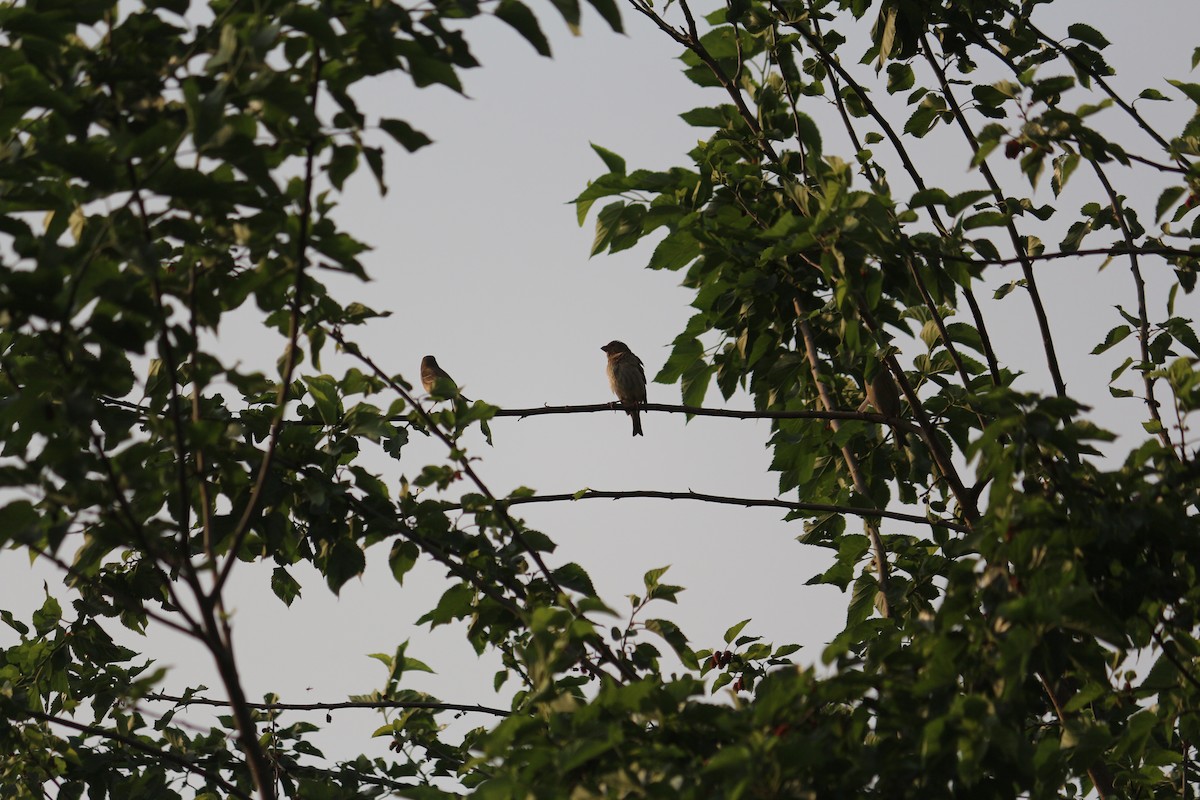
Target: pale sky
(479,258)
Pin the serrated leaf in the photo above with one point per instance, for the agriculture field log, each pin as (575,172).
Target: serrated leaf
(676,251)
(1114,336)
(285,587)
(573,576)
(1088,35)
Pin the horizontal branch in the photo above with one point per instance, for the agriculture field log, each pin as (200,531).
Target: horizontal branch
(433,706)
(672,408)
(1113,252)
(824,508)
(669,408)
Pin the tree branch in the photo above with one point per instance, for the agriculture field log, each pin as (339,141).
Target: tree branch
(1143,318)
(698,411)
(1035,297)
(1103,84)
(824,508)
(242,528)
(137,744)
(1114,251)
(332,706)
(1097,771)
(835,69)
(882,568)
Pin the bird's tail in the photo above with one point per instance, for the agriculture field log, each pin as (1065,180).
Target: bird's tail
(637,423)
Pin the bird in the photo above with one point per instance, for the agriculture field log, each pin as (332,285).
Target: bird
(627,377)
(882,394)
(432,375)
(884,397)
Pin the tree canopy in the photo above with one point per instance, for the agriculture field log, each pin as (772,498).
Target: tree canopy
(1022,583)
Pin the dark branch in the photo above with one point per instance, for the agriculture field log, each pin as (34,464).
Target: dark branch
(433,706)
(671,408)
(822,508)
(1113,252)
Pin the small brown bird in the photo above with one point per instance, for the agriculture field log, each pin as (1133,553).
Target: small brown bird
(432,375)
(882,394)
(883,397)
(627,378)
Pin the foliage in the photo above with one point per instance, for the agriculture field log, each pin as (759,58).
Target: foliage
(157,174)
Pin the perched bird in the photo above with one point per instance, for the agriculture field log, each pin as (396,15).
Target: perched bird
(882,394)
(627,378)
(884,397)
(432,375)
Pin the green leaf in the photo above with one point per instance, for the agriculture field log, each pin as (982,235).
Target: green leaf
(862,600)
(1114,336)
(521,19)
(900,77)
(402,558)
(284,585)
(732,633)
(705,117)
(614,162)
(675,252)
(405,135)
(809,133)
(573,576)
(46,618)
(1088,35)
(1192,90)
(1168,198)
(345,560)
(609,12)
(670,632)
(455,604)
(323,390)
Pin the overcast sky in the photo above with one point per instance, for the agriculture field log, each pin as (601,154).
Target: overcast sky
(478,256)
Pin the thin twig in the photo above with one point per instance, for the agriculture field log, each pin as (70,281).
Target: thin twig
(332,706)
(934,312)
(747,502)
(201,478)
(835,68)
(1169,652)
(1035,297)
(1097,771)
(1143,316)
(242,528)
(882,568)
(1111,252)
(698,411)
